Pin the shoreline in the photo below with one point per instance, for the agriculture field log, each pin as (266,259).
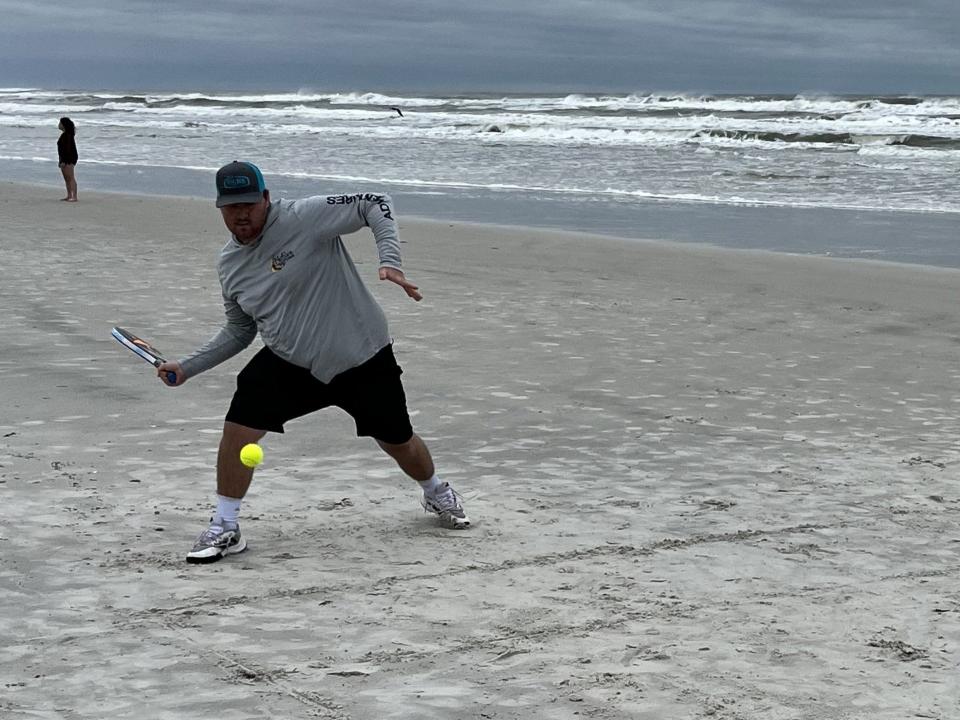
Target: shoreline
(914,238)
(593,235)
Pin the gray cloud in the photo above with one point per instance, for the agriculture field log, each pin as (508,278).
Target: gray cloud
(720,45)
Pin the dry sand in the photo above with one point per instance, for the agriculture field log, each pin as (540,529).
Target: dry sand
(705,483)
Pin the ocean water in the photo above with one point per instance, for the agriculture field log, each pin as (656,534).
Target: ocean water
(847,176)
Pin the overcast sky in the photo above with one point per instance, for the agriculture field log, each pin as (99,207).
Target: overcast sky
(748,46)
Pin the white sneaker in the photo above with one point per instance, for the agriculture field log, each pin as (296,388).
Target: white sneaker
(218,540)
(446,504)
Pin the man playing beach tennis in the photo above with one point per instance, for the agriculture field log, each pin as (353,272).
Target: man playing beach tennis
(286,273)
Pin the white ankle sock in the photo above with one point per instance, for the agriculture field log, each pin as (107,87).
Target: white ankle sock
(431,486)
(228,508)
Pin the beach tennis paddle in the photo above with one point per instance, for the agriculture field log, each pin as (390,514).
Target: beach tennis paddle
(142,348)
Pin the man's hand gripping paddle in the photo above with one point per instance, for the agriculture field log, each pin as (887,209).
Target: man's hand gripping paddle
(142,348)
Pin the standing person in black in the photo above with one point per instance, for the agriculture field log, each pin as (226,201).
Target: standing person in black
(67,152)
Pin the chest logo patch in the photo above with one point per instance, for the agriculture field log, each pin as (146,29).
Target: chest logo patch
(279,260)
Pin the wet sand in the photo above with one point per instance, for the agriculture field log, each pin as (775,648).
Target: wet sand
(705,483)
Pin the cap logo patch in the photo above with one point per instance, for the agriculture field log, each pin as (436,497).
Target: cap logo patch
(232,182)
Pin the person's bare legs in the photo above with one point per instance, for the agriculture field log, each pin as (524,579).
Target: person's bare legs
(233,477)
(70,180)
(66,181)
(413,457)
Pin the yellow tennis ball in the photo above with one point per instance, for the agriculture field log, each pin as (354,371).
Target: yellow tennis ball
(251,455)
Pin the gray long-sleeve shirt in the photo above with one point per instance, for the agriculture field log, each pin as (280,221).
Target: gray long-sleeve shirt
(298,286)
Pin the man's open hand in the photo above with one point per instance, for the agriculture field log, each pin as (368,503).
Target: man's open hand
(396,276)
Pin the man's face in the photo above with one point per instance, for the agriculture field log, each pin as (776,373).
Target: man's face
(246,220)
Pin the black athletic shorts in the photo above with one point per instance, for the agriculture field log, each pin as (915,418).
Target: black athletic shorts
(271,391)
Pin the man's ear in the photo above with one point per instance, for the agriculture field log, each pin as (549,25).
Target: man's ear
(266,195)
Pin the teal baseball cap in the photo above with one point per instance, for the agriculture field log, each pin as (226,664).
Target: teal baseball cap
(239,182)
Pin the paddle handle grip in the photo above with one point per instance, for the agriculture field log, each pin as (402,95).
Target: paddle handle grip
(171,375)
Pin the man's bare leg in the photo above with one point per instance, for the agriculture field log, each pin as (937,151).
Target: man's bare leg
(413,457)
(223,537)
(233,477)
